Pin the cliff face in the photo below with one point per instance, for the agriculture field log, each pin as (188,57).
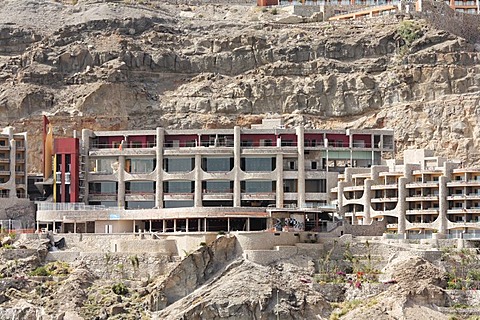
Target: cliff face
(118,65)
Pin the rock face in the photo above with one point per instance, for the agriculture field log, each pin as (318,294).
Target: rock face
(195,66)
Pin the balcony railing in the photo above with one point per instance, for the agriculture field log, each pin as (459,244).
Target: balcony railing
(124,146)
(68,207)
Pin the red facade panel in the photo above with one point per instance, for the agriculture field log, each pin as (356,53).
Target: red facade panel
(68,148)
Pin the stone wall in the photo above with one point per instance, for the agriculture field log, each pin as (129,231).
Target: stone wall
(266,240)
(376,228)
(445,18)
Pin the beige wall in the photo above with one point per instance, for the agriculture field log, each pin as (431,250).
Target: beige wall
(119,226)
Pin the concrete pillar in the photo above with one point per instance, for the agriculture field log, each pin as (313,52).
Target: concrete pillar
(443,205)
(133,230)
(402,205)
(150,225)
(121,182)
(174,225)
(341,209)
(159,168)
(13,150)
(164,226)
(84,150)
(186,225)
(205,225)
(279,168)
(228,224)
(237,193)
(74,227)
(199,224)
(248,224)
(301,167)
(367,203)
(198,181)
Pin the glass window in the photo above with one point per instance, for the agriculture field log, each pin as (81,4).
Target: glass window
(104,165)
(178,164)
(140,165)
(178,204)
(316,185)
(108,187)
(140,186)
(217,186)
(178,186)
(252,186)
(258,164)
(217,164)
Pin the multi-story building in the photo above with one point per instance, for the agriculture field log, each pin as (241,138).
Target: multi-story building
(201,180)
(425,194)
(13,164)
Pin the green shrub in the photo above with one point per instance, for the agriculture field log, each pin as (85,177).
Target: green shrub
(40,272)
(203,244)
(409,31)
(274,11)
(120,289)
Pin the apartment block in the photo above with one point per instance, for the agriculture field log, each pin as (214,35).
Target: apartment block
(13,164)
(202,180)
(422,195)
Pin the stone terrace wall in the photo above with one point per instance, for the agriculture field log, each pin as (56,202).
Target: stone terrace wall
(377,228)
(443,17)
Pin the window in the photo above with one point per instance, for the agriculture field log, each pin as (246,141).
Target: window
(316,185)
(217,164)
(140,186)
(217,186)
(178,204)
(258,164)
(178,186)
(290,185)
(139,204)
(314,165)
(261,186)
(108,187)
(104,165)
(178,164)
(140,165)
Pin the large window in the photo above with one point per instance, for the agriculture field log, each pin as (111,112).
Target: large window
(258,164)
(290,185)
(103,165)
(108,187)
(178,204)
(261,186)
(178,186)
(140,187)
(217,186)
(178,164)
(316,185)
(140,165)
(217,164)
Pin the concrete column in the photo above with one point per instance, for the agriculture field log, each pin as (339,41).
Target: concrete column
(13,151)
(186,225)
(199,224)
(402,205)
(198,181)
(84,150)
(367,203)
(301,167)
(279,167)
(248,224)
(341,209)
(237,193)
(164,226)
(150,225)
(74,227)
(121,182)
(133,230)
(159,168)
(228,224)
(205,225)
(174,225)
(443,205)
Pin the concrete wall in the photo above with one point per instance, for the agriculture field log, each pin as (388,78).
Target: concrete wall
(165,247)
(265,240)
(120,226)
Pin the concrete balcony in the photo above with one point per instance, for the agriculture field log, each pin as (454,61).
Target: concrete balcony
(124,152)
(427,184)
(4,160)
(380,200)
(422,198)
(259,196)
(178,196)
(392,226)
(419,225)
(354,188)
(384,186)
(290,196)
(139,196)
(463,210)
(217,196)
(312,196)
(422,211)
(102,197)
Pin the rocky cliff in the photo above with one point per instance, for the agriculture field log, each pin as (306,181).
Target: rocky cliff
(140,64)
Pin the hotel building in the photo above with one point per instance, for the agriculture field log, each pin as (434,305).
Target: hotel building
(201,180)
(422,195)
